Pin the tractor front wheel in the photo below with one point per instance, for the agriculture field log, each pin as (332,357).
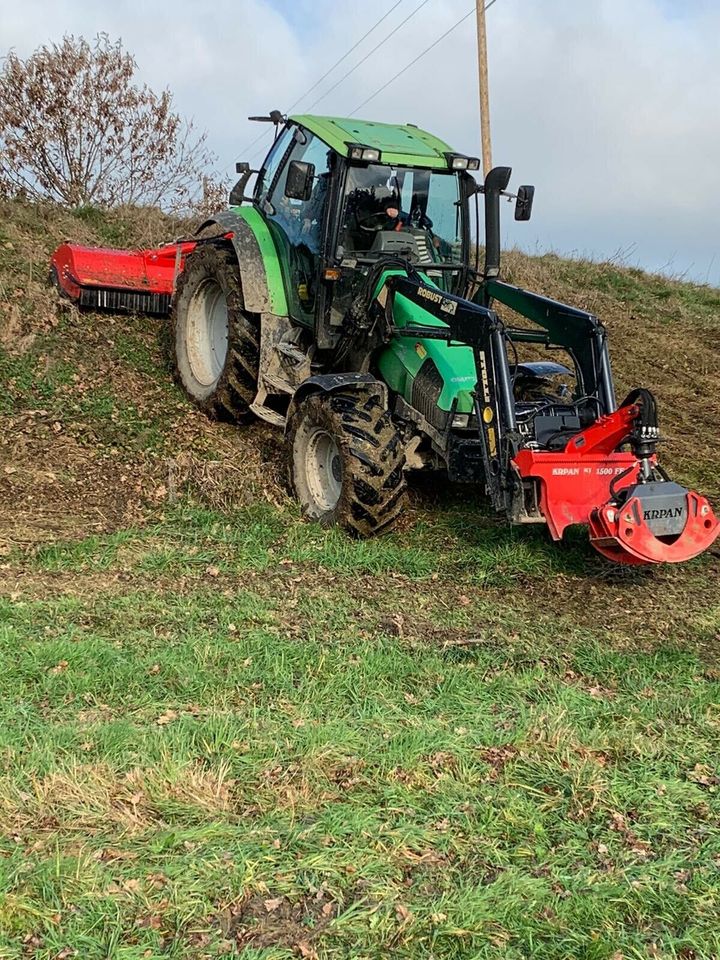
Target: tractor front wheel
(216,343)
(346,461)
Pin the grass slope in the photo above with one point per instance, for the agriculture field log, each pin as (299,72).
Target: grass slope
(225,732)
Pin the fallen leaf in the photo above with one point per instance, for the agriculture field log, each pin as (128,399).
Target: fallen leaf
(166,718)
(703,775)
(402,912)
(273,904)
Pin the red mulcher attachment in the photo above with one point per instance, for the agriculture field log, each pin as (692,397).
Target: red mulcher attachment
(648,519)
(139,281)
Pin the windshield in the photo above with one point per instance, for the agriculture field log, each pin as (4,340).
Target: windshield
(409,212)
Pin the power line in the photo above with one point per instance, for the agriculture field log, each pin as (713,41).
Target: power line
(260,148)
(345,55)
(252,143)
(368,55)
(337,63)
(418,57)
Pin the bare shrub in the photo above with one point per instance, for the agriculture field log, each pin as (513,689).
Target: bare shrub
(76,127)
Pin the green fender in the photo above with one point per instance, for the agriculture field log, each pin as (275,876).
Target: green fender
(260,276)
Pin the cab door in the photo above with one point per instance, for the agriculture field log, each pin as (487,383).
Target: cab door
(297,226)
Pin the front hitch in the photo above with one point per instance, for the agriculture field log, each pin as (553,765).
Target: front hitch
(658,522)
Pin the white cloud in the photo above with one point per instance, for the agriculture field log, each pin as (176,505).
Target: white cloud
(609,107)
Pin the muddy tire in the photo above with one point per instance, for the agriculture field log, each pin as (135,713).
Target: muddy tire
(215,343)
(345,462)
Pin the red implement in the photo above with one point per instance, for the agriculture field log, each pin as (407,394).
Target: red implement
(622,534)
(135,280)
(632,523)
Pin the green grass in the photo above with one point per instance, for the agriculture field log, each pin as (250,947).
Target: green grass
(259,537)
(268,741)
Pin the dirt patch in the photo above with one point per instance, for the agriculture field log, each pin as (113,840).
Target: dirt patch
(94,443)
(277,921)
(57,489)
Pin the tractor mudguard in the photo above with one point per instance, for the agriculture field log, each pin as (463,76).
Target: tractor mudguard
(260,276)
(332,382)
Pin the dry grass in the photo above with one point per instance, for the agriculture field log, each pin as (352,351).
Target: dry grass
(91,798)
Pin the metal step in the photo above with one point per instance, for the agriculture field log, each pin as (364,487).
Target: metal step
(276,384)
(291,351)
(270,416)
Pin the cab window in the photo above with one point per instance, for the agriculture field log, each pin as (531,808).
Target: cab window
(297,225)
(301,220)
(272,162)
(412,212)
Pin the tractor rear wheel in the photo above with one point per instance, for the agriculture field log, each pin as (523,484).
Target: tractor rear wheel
(215,342)
(346,461)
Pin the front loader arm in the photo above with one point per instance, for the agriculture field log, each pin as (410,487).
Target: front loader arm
(579,332)
(461,322)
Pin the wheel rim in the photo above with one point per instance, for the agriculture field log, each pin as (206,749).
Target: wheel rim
(207,332)
(323,470)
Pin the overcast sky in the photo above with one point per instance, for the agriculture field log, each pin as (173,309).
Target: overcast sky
(611,107)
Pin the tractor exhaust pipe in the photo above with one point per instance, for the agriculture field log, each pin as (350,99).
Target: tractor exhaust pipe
(495,182)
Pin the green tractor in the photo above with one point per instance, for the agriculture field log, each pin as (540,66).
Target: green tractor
(344,302)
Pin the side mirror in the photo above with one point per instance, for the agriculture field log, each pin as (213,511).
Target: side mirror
(299,182)
(524,202)
(237,194)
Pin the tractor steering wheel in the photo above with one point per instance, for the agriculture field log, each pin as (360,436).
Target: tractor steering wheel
(371,221)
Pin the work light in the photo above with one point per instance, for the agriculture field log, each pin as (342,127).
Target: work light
(356,151)
(457,161)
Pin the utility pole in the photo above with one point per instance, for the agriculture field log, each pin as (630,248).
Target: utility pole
(484,91)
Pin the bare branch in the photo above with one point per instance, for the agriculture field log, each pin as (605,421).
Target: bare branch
(78,128)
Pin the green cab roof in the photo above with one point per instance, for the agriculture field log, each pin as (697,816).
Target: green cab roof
(401,144)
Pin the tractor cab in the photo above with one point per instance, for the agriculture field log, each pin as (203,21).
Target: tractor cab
(339,196)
